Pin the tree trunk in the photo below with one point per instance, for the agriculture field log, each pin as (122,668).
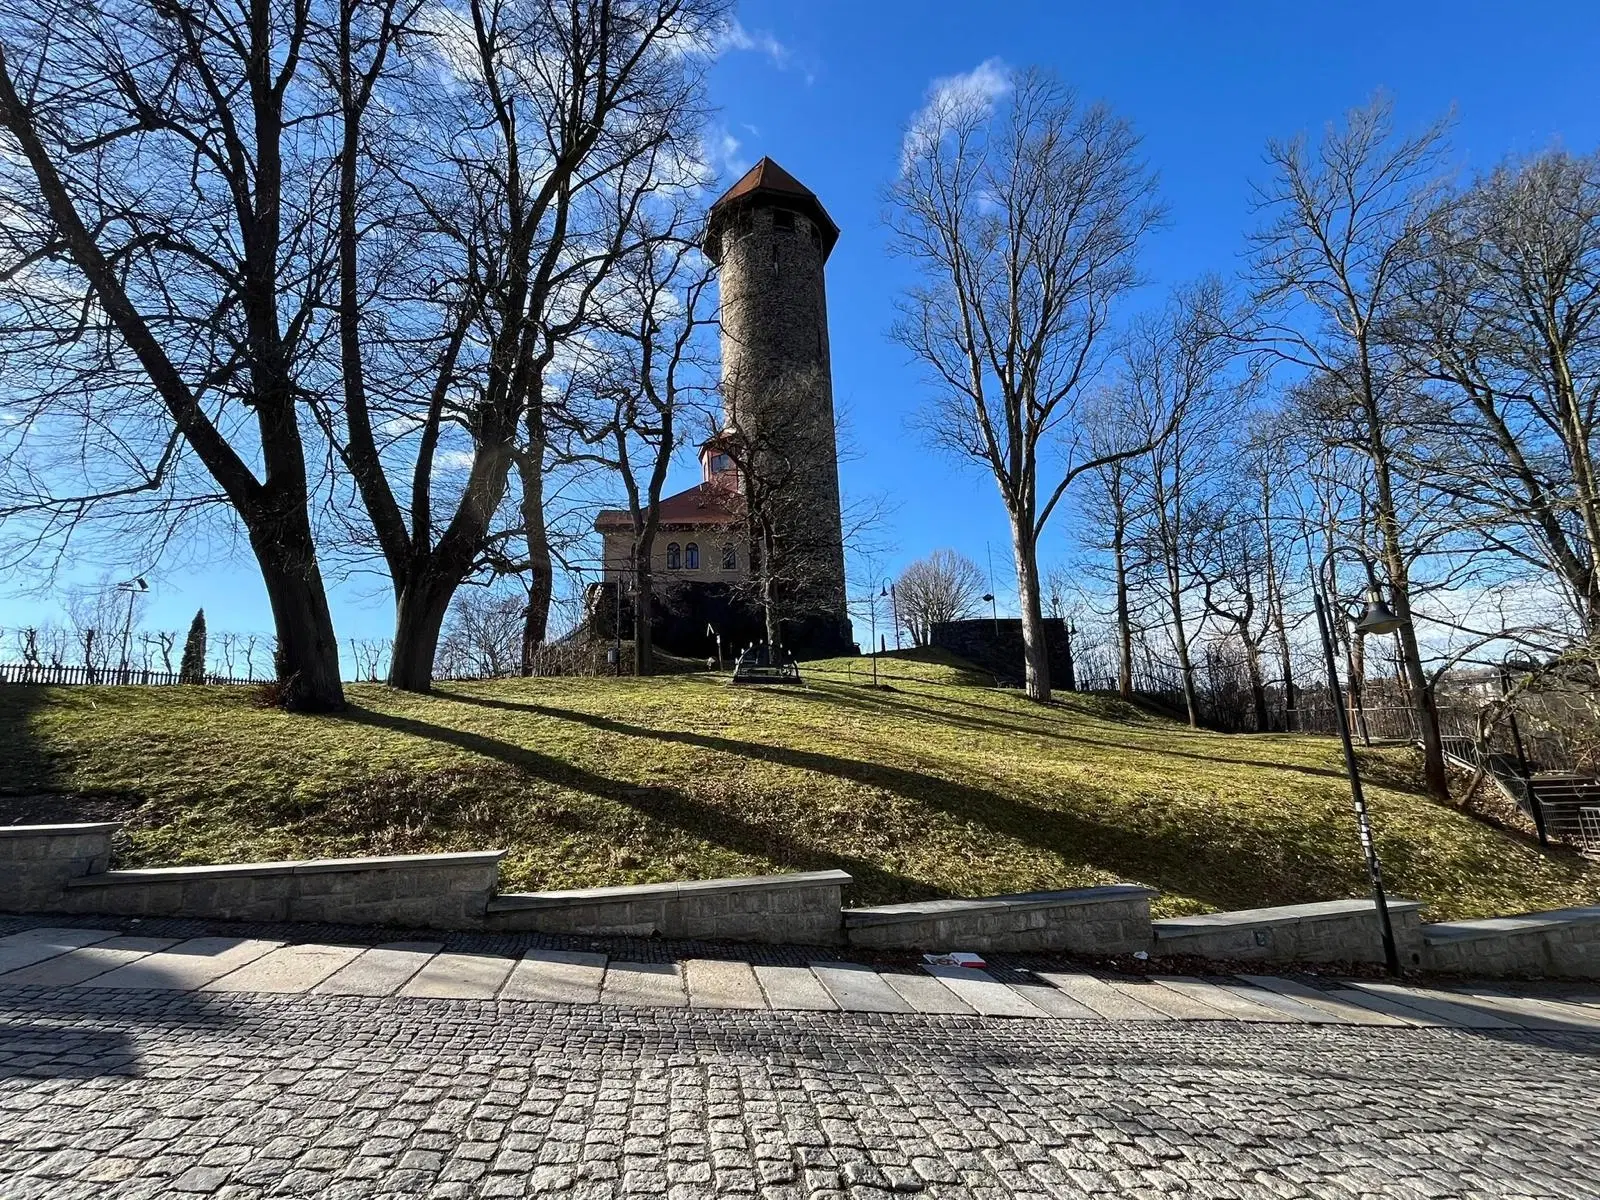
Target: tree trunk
(1258,686)
(1124,621)
(307,653)
(1035,648)
(419,613)
(541,581)
(643,641)
(1180,641)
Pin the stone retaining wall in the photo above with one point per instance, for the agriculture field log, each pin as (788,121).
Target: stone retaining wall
(802,908)
(36,861)
(1562,942)
(1098,920)
(433,891)
(1333,931)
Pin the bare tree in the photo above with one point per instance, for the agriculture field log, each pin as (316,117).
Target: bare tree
(1175,376)
(1024,222)
(1344,224)
(482,635)
(523,183)
(945,586)
(1502,313)
(648,365)
(162,249)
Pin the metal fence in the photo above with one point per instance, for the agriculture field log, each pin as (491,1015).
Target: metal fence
(61,674)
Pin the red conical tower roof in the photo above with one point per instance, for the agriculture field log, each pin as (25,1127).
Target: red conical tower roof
(767,181)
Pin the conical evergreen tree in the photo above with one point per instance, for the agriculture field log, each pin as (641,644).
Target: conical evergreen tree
(193,667)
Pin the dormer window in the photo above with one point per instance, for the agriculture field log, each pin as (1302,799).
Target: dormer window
(721,462)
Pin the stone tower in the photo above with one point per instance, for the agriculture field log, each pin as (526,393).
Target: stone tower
(770,238)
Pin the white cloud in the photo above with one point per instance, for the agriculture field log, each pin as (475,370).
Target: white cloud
(734,36)
(453,460)
(980,87)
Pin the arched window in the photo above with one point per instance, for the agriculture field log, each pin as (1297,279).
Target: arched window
(730,558)
(674,556)
(691,556)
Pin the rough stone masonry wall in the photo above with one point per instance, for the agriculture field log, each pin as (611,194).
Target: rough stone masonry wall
(1335,931)
(1101,920)
(36,861)
(996,646)
(777,382)
(802,908)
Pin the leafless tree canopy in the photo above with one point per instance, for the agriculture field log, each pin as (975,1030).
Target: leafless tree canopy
(945,586)
(1024,222)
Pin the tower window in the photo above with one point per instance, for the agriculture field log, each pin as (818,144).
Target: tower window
(730,558)
(782,219)
(674,556)
(774,262)
(721,462)
(691,556)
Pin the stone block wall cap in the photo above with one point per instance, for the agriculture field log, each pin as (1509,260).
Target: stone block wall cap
(395,862)
(512,901)
(1491,927)
(920,910)
(1284,914)
(19,831)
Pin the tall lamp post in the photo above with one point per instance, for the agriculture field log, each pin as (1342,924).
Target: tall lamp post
(1534,806)
(894,608)
(133,587)
(1377,619)
(872,609)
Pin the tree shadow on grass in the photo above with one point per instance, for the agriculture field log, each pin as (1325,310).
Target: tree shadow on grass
(869,702)
(1180,860)
(667,805)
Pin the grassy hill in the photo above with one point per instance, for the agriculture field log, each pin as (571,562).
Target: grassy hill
(935,786)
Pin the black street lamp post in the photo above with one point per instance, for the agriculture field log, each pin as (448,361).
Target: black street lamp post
(894,608)
(133,587)
(1377,619)
(1523,769)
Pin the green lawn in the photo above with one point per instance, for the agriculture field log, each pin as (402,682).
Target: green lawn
(937,786)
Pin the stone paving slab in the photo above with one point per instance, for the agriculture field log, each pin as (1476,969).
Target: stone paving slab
(1110,1001)
(1530,1012)
(1225,1000)
(379,971)
(556,976)
(1435,1004)
(1414,1017)
(1176,1003)
(719,983)
(926,994)
(987,995)
(856,988)
(76,966)
(30,946)
(188,965)
(1294,1008)
(1053,1002)
(460,976)
(794,988)
(1317,999)
(653,985)
(287,970)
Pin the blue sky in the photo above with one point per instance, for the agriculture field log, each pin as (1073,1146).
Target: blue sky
(827,87)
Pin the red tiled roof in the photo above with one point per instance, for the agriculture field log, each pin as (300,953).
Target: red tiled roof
(703,504)
(768,179)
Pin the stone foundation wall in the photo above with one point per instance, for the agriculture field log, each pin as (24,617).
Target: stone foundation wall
(800,908)
(1334,931)
(1562,942)
(434,891)
(1100,920)
(36,861)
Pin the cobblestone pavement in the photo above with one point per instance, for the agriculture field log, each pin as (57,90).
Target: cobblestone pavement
(134,1093)
(174,1059)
